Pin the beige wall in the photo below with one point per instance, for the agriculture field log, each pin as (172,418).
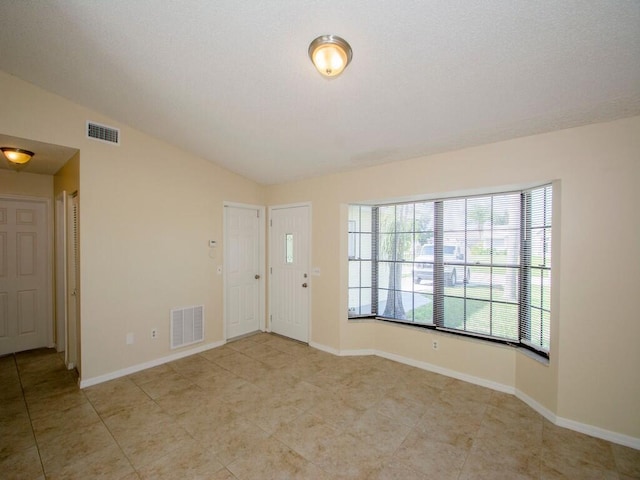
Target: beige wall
(595,355)
(26,184)
(147,211)
(68,177)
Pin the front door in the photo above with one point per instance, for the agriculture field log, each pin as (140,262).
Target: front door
(244,268)
(25,314)
(289,258)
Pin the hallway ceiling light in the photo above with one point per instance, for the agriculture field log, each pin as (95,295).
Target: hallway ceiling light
(17,157)
(330,54)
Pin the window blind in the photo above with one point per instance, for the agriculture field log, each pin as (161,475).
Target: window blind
(535,307)
(478,265)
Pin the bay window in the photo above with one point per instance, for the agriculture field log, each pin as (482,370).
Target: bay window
(478,265)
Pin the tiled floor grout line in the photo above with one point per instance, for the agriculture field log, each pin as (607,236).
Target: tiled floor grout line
(110,432)
(26,405)
(466,459)
(271,437)
(172,416)
(323,390)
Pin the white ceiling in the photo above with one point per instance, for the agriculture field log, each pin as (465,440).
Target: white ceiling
(231,81)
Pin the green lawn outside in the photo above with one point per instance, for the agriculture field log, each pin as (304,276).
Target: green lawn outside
(469,307)
(485,317)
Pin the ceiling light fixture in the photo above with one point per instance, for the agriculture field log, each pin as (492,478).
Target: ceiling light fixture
(17,157)
(330,54)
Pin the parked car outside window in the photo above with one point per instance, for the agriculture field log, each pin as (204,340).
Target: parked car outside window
(423,268)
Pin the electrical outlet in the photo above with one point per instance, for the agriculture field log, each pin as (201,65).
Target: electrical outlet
(154,333)
(129,339)
(435,344)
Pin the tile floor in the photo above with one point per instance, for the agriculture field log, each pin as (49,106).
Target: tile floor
(265,407)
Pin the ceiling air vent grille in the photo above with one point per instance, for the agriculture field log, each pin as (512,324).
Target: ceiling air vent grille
(103,133)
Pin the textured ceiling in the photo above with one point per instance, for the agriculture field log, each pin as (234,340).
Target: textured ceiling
(231,81)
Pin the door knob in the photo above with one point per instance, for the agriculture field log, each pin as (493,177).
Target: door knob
(257,277)
(304,285)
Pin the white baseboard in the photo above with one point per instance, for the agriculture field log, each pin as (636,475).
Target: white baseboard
(538,407)
(84,383)
(598,432)
(447,372)
(590,430)
(416,363)
(357,353)
(324,348)
(342,353)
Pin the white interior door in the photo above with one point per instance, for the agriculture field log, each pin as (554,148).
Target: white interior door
(244,281)
(72,352)
(25,314)
(61,271)
(289,266)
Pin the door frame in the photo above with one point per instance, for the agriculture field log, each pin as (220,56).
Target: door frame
(60,247)
(48,260)
(262,324)
(309,256)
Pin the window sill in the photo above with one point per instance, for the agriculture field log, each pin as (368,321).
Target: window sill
(533,356)
(462,335)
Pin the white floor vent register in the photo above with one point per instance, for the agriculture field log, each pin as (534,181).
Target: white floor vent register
(187,326)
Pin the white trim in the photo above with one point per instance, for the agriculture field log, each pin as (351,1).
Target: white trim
(597,432)
(84,383)
(289,205)
(309,268)
(343,353)
(447,372)
(324,348)
(587,429)
(419,364)
(358,353)
(51,214)
(538,407)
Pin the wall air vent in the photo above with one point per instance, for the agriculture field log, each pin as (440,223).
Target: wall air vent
(103,133)
(187,326)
